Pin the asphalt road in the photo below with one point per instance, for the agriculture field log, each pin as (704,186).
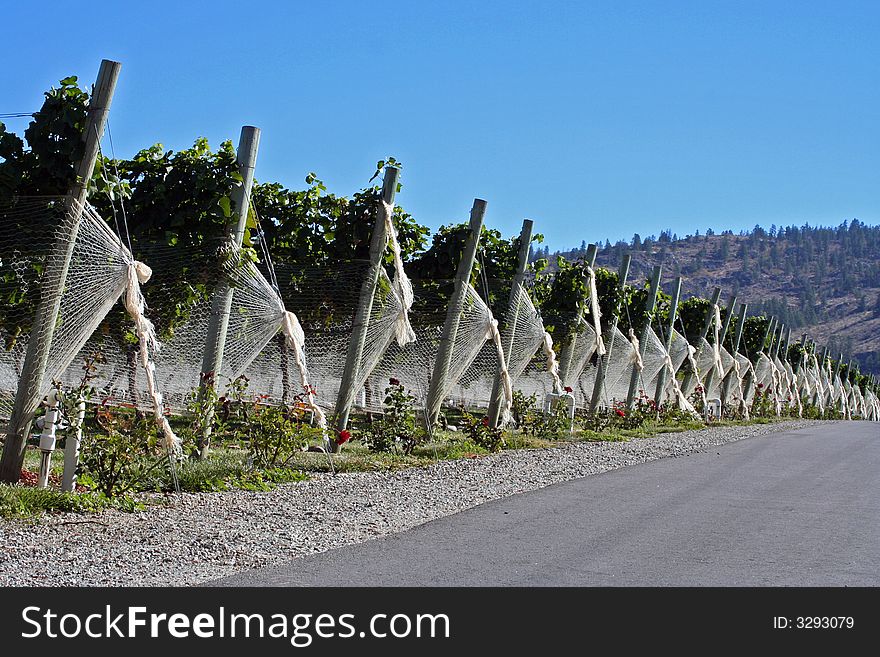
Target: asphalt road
(791,509)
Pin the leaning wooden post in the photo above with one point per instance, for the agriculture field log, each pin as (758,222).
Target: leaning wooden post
(650,304)
(221,306)
(780,340)
(673,309)
(787,345)
(771,326)
(602,365)
(726,325)
(740,326)
(453,313)
(775,340)
(33,371)
(707,323)
(355,352)
(522,262)
(567,354)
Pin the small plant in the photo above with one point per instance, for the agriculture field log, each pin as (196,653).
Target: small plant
(126,450)
(481,434)
(523,409)
(698,399)
(596,422)
(670,414)
(397,429)
(763,404)
(233,405)
(83,392)
(532,421)
(201,406)
(275,434)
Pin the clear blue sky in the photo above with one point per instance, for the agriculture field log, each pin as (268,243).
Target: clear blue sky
(595,119)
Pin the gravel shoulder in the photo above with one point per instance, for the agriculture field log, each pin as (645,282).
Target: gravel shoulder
(204,536)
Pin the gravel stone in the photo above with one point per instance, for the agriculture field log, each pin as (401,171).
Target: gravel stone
(197,537)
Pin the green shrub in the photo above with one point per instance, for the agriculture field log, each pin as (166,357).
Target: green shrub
(397,429)
(276,434)
(120,457)
(763,404)
(535,422)
(481,434)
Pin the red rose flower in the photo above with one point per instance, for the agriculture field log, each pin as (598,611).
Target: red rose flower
(760,385)
(344,436)
(394,381)
(620,413)
(485,421)
(567,388)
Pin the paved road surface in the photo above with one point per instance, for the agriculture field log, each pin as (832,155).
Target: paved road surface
(790,509)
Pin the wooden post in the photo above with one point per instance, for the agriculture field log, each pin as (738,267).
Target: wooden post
(740,327)
(347,391)
(673,309)
(771,325)
(710,314)
(731,306)
(221,306)
(522,262)
(775,344)
(30,383)
(567,354)
(650,304)
(453,313)
(599,384)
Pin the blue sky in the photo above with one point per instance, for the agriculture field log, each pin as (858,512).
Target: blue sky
(595,119)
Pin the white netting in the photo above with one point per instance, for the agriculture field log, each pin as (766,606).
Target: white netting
(285,354)
(618,369)
(101,270)
(135,368)
(401,284)
(786,389)
(522,337)
(872,406)
(581,349)
(678,353)
(733,389)
(35,237)
(474,329)
(653,361)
